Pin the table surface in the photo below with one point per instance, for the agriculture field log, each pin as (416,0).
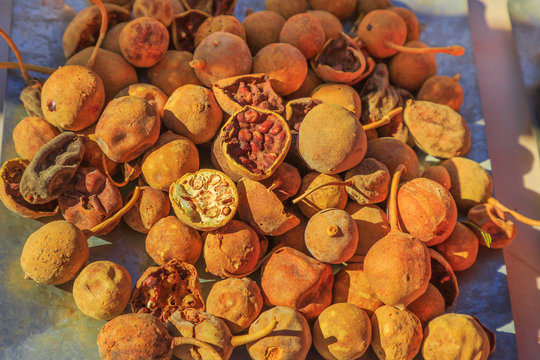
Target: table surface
(43,322)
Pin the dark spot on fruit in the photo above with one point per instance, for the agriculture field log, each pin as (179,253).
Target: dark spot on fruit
(369,27)
(51,105)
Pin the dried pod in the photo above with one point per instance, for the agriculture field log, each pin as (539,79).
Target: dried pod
(54,253)
(437,129)
(144,41)
(492,220)
(89,199)
(294,238)
(471,184)
(331,139)
(443,278)
(408,70)
(309,289)
(411,22)
(428,306)
(426,210)
(341,60)
(285,66)
(127,128)
(234,93)
(225,23)
(173,71)
(161,10)
(72,97)
(160,291)
(83,30)
(438,174)
(331,236)
(333,195)
(370,182)
(304,32)
(262,28)
(351,286)
(205,200)
(115,72)
(295,111)
(330,23)
(171,239)
(443,90)
(233,249)
(51,169)
(396,127)
(378,96)
(238,302)
(112,38)
(291,339)
(343,9)
(212,60)
(31,96)
(255,142)
(184,27)
(150,93)
(284,182)
(342,331)
(455,336)
(392,152)
(10,176)
(263,210)
(192,111)
(151,206)
(212,7)
(339,94)
(30,134)
(397,334)
(287,8)
(372,224)
(461,248)
(311,82)
(102,290)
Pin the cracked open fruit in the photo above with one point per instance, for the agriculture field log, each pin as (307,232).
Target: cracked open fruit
(492,220)
(205,200)
(160,291)
(212,7)
(295,112)
(184,27)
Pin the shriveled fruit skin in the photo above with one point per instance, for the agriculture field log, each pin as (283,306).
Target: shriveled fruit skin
(392,152)
(305,32)
(30,134)
(398,268)
(461,248)
(455,336)
(428,306)
(370,179)
(410,71)
(161,10)
(397,334)
(331,139)
(342,331)
(54,253)
(262,28)
(351,286)
(443,90)
(470,183)
(173,71)
(330,196)
(309,285)
(372,224)
(290,340)
(151,206)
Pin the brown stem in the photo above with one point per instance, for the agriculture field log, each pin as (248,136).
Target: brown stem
(197,64)
(456,77)
(99,227)
(179,341)
(272,187)
(392,200)
(338,183)
(37,68)
(256,267)
(102,32)
(244,339)
(384,120)
(106,170)
(522,218)
(18,55)
(454,50)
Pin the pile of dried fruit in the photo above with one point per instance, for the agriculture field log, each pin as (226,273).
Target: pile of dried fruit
(311,132)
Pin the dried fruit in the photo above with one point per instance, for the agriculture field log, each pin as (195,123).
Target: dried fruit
(308,86)
(212,7)
(51,169)
(192,111)
(255,90)
(461,248)
(339,94)
(443,277)
(160,10)
(372,224)
(144,41)
(492,220)
(173,71)
(262,28)
(171,239)
(205,200)
(343,9)
(330,23)
(127,128)
(93,156)
(370,180)
(443,90)
(102,290)
(160,291)
(225,23)
(378,96)
(295,111)
(30,134)
(255,142)
(220,162)
(393,152)
(112,39)
(238,302)
(150,93)
(184,27)
(323,192)
(284,182)
(294,238)
(342,331)
(411,22)
(304,32)
(287,8)
(428,306)
(351,286)
(151,206)
(409,70)
(438,174)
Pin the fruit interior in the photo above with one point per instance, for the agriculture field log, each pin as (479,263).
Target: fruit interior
(443,280)
(299,112)
(255,140)
(206,197)
(254,91)
(338,54)
(186,26)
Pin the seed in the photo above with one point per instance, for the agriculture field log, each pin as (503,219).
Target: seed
(251,116)
(212,212)
(268,139)
(226,211)
(214,179)
(245,135)
(276,129)
(197,184)
(265,126)
(244,145)
(255,147)
(281,135)
(257,136)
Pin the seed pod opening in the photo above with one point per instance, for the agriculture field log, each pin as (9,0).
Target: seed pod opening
(212,7)
(184,27)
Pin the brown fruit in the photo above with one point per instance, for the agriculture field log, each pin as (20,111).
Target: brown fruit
(184,27)
(438,174)
(287,8)
(30,134)
(351,286)
(150,93)
(409,71)
(330,196)
(461,248)
(330,23)
(284,182)
(151,206)
(443,278)
(370,182)
(173,71)
(492,220)
(160,10)
(305,32)
(144,41)
(378,27)
(311,82)
(112,38)
(411,21)
(343,9)
(225,23)
(443,90)
(294,238)
(392,152)
(339,94)
(212,7)
(372,224)
(428,306)
(262,28)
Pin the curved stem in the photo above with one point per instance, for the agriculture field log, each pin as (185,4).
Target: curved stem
(244,339)
(522,218)
(18,55)
(384,120)
(360,55)
(456,77)
(338,183)
(37,68)
(106,170)
(99,227)
(256,267)
(102,32)
(392,200)
(179,341)
(454,50)
(272,187)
